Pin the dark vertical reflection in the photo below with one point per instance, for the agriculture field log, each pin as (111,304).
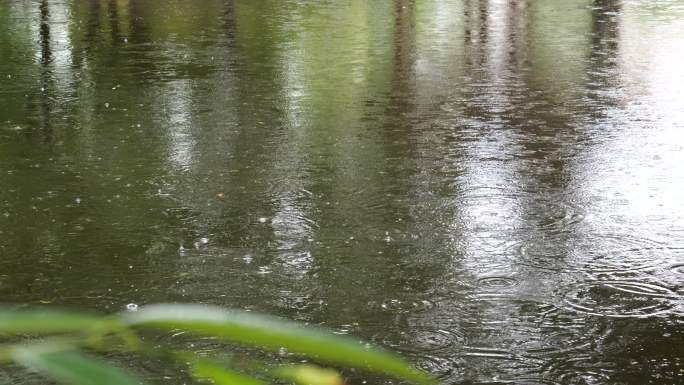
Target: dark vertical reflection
(483,15)
(254,108)
(467,11)
(139,26)
(605,14)
(405,44)
(365,230)
(45,56)
(517,34)
(604,77)
(475,26)
(398,141)
(92,22)
(114,22)
(47,85)
(230,21)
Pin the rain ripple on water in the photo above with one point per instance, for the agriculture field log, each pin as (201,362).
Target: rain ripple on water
(420,340)
(495,206)
(619,299)
(599,254)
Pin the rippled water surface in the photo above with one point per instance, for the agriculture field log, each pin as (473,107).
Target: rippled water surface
(493,188)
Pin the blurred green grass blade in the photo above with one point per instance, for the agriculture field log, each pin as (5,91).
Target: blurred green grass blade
(273,333)
(47,321)
(309,375)
(204,369)
(72,368)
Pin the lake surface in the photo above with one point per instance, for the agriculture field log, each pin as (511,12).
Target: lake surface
(495,189)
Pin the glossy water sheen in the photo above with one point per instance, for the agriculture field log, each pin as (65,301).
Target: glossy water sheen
(493,188)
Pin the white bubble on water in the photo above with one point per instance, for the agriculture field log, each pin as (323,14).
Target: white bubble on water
(201,242)
(132,307)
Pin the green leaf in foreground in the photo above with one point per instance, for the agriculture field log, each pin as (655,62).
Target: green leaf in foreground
(310,375)
(47,321)
(71,367)
(273,333)
(220,376)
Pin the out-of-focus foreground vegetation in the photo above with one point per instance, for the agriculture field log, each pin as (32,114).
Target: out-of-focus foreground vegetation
(61,344)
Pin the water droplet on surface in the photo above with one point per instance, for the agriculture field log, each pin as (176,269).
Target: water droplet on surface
(396,306)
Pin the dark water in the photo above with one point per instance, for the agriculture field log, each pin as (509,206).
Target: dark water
(493,188)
